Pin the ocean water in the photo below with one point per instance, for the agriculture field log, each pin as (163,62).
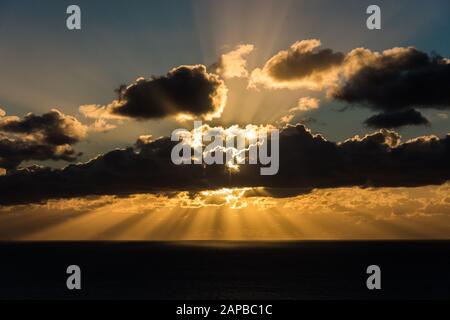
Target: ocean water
(226,270)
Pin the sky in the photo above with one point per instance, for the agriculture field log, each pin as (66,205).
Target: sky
(363,114)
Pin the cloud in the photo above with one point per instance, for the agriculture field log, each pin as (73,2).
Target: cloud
(2,112)
(234,64)
(100,125)
(186,90)
(395,81)
(143,140)
(398,78)
(301,66)
(39,137)
(287,118)
(53,127)
(443,115)
(96,111)
(14,151)
(375,203)
(307,161)
(306,104)
(397,119)
(237,214)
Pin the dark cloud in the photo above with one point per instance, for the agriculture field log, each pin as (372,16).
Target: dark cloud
(306,161)
(302,65)
(396,80)
(392,82)
(39,137)
(397,119)
(297,64)
(188,90)
(54,127)
(14,151)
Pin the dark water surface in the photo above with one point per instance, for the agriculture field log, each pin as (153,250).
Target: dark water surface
(226,270)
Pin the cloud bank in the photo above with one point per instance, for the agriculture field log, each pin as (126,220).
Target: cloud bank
(307,161)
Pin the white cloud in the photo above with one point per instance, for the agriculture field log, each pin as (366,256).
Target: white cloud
(234,64)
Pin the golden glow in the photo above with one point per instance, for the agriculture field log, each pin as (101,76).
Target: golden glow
(234,64)
(245,138)
(181,117)
(238,214)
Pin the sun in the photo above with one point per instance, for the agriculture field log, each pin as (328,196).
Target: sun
(232,167)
